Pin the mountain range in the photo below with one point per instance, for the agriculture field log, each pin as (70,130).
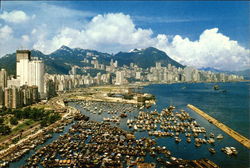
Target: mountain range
(61,60)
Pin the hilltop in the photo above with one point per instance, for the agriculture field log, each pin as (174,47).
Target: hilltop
(61,60)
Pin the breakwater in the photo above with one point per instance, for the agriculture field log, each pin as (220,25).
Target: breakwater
(238,137)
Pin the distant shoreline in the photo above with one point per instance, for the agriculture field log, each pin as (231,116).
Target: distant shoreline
(142,84)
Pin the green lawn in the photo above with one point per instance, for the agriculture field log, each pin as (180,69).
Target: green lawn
(22,126)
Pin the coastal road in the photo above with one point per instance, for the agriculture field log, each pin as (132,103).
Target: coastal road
(238,137)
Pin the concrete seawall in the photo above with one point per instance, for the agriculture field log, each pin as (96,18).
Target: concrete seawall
(238,137)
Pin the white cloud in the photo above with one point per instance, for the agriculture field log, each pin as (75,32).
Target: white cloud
(110,33)
(115,32)
(7,40)
(160,19)
(33,31)
(63,12)
(25,38)
(33,16)
(5,33)
(15,16)
(213,49)
(9,43)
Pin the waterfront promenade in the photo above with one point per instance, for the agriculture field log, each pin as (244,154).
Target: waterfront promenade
(238,137)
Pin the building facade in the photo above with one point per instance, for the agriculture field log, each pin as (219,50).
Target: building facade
(2,98)
(3,78)
(30,71)
(120,78)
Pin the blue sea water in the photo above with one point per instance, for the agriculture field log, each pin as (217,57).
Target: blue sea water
(230,107)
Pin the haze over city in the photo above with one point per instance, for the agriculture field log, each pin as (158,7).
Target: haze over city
(212,35)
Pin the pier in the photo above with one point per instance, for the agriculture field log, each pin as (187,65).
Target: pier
(238,137)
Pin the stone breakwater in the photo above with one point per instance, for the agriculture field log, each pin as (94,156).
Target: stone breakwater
(238,137)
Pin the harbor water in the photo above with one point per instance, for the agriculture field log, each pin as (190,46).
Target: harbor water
(229,104)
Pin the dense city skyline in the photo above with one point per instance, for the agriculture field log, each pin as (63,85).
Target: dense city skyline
(31,84)
(214,34)
(124,84)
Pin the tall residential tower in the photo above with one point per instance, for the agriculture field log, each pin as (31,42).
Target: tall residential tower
(30,70)
(3,78)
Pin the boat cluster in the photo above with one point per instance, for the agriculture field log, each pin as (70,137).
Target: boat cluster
(101,144)
(20,149)
(170,123)
(116,110)
(99,107)
(98,144)
(114,119)
(230,150)
(23,149)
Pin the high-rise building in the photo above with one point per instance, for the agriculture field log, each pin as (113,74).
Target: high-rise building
(73,70)
(116,64)
(30,71)
(111,62)
(12,97)
(13,82)
(29,95)
(3,78)
(131,65)
(1,97)
(50,88)
(98,78)
(158,65)
(109,78)
(22,65)
(138,75)
(120,78)
(36,76)
(195,75)
(188,73)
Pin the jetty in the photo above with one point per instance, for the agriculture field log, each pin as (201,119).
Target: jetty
(238,137)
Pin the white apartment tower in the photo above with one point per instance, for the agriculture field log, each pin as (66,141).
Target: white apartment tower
(158,65)
(119,80)
(188,71)
(30,71)
(138,75)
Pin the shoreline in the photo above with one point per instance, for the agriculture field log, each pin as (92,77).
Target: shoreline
(143,84)
(13,152)
(59,101)
(103,136)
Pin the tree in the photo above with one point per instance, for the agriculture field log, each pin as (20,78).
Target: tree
(8,111)
(4,130)
(1,120)
(43,123)
(53,118)
(13,121)
(26,112)
(18,114)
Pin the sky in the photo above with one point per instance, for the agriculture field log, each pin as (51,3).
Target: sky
(199,34)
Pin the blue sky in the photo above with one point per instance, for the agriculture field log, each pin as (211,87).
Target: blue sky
(200,34)
(183,18)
